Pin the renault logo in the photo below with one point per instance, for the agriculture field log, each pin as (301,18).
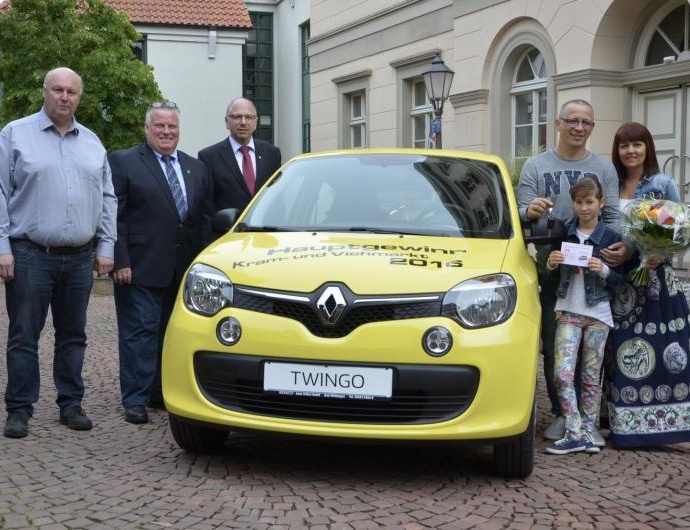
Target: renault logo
(330,305)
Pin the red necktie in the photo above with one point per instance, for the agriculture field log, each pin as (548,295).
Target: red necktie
(248,168)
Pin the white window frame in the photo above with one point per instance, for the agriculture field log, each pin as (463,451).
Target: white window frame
(535,87)
(417,111)
(350,86)
(358,120)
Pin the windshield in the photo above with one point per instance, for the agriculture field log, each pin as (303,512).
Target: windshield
(388,193)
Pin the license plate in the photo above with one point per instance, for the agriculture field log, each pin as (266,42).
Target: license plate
(320,380)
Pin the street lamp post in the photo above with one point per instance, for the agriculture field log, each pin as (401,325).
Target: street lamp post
(437,81)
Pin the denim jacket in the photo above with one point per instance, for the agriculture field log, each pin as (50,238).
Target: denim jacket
(596,288)
(657,186)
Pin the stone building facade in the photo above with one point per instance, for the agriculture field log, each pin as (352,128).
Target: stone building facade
(515,63)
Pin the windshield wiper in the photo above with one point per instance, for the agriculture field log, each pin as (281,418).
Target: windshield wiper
(372,229)
(243,227)
(406,232)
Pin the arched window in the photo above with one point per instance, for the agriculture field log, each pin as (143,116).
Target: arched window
(529,110)
(671,38)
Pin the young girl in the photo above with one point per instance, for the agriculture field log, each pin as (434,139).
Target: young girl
(583,312)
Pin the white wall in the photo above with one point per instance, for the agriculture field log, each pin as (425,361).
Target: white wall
(201,85)
(288,74)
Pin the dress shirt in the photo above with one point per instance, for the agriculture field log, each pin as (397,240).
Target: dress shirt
(55,190)
(235,145)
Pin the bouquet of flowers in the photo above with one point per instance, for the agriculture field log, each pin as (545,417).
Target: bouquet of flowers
(659,228)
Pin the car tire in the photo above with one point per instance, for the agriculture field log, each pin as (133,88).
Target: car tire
(194,438)
(515,459)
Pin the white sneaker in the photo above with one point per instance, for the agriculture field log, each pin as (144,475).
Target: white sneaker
(596,438)
(555,431)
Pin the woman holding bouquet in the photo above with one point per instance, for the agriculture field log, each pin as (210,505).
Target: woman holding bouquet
(647,367)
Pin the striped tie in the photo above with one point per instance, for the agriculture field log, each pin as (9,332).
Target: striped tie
(173,181)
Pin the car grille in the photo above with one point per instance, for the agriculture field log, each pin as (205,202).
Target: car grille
(359,310)
(421,393)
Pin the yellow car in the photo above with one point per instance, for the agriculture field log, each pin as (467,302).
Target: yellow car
(363,294)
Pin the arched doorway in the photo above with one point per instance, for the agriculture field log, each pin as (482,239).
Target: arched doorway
(662,102)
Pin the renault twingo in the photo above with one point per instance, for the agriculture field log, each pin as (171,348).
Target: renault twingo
(364,294)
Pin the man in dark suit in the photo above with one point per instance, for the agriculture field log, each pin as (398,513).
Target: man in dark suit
(165,204)
(232,187)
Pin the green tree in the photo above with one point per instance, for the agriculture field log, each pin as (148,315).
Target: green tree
(94,40)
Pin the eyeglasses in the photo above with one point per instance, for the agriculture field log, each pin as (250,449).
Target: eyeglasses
(574,122)
(238,117)
(163,105)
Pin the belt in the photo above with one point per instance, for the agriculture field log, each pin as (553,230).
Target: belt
(61,251)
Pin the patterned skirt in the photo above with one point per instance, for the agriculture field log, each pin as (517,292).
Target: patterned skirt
(646,367)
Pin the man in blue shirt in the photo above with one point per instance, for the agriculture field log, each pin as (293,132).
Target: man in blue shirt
(56,204)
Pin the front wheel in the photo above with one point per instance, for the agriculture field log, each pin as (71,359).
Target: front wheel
(194,438)
(515,458)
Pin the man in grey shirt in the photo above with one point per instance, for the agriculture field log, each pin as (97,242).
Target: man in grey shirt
(56,204)
(544,187)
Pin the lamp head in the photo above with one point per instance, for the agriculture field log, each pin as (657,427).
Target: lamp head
(437,80)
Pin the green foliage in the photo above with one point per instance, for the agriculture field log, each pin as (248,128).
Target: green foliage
(515,167)
(96,42)
(515,164)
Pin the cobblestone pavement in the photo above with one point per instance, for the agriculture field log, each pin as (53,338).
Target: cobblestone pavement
(124,476)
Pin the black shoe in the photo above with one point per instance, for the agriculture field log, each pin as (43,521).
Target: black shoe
(136,414)
(75,418)
(17,424)
(156,403)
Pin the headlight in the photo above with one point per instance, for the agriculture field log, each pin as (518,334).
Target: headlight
(481,302)
(206,290)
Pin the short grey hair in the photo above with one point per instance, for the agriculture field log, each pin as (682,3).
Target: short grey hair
(582,102)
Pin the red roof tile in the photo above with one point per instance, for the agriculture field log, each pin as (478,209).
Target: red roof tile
(219,13)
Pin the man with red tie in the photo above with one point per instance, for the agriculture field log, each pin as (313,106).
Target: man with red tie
(239,164)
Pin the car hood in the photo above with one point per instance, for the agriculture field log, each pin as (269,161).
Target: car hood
(366,263)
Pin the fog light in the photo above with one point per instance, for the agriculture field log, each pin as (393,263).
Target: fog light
(229,331)
(437,341)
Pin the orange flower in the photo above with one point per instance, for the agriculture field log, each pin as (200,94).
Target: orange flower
(659,228)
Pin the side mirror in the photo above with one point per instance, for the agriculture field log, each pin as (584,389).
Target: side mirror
(224,219)
(545,230)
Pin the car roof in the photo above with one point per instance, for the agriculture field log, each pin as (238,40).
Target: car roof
(472,155)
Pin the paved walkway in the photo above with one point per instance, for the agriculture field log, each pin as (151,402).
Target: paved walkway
(124,476)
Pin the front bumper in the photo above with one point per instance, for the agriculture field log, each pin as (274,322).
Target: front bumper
(423,393)
(489,374)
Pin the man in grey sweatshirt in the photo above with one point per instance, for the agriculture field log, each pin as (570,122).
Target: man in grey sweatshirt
(544,187)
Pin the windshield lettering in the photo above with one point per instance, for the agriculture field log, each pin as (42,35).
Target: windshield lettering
(374,248)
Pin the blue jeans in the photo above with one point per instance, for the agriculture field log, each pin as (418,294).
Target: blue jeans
(42,281)
(138,323)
